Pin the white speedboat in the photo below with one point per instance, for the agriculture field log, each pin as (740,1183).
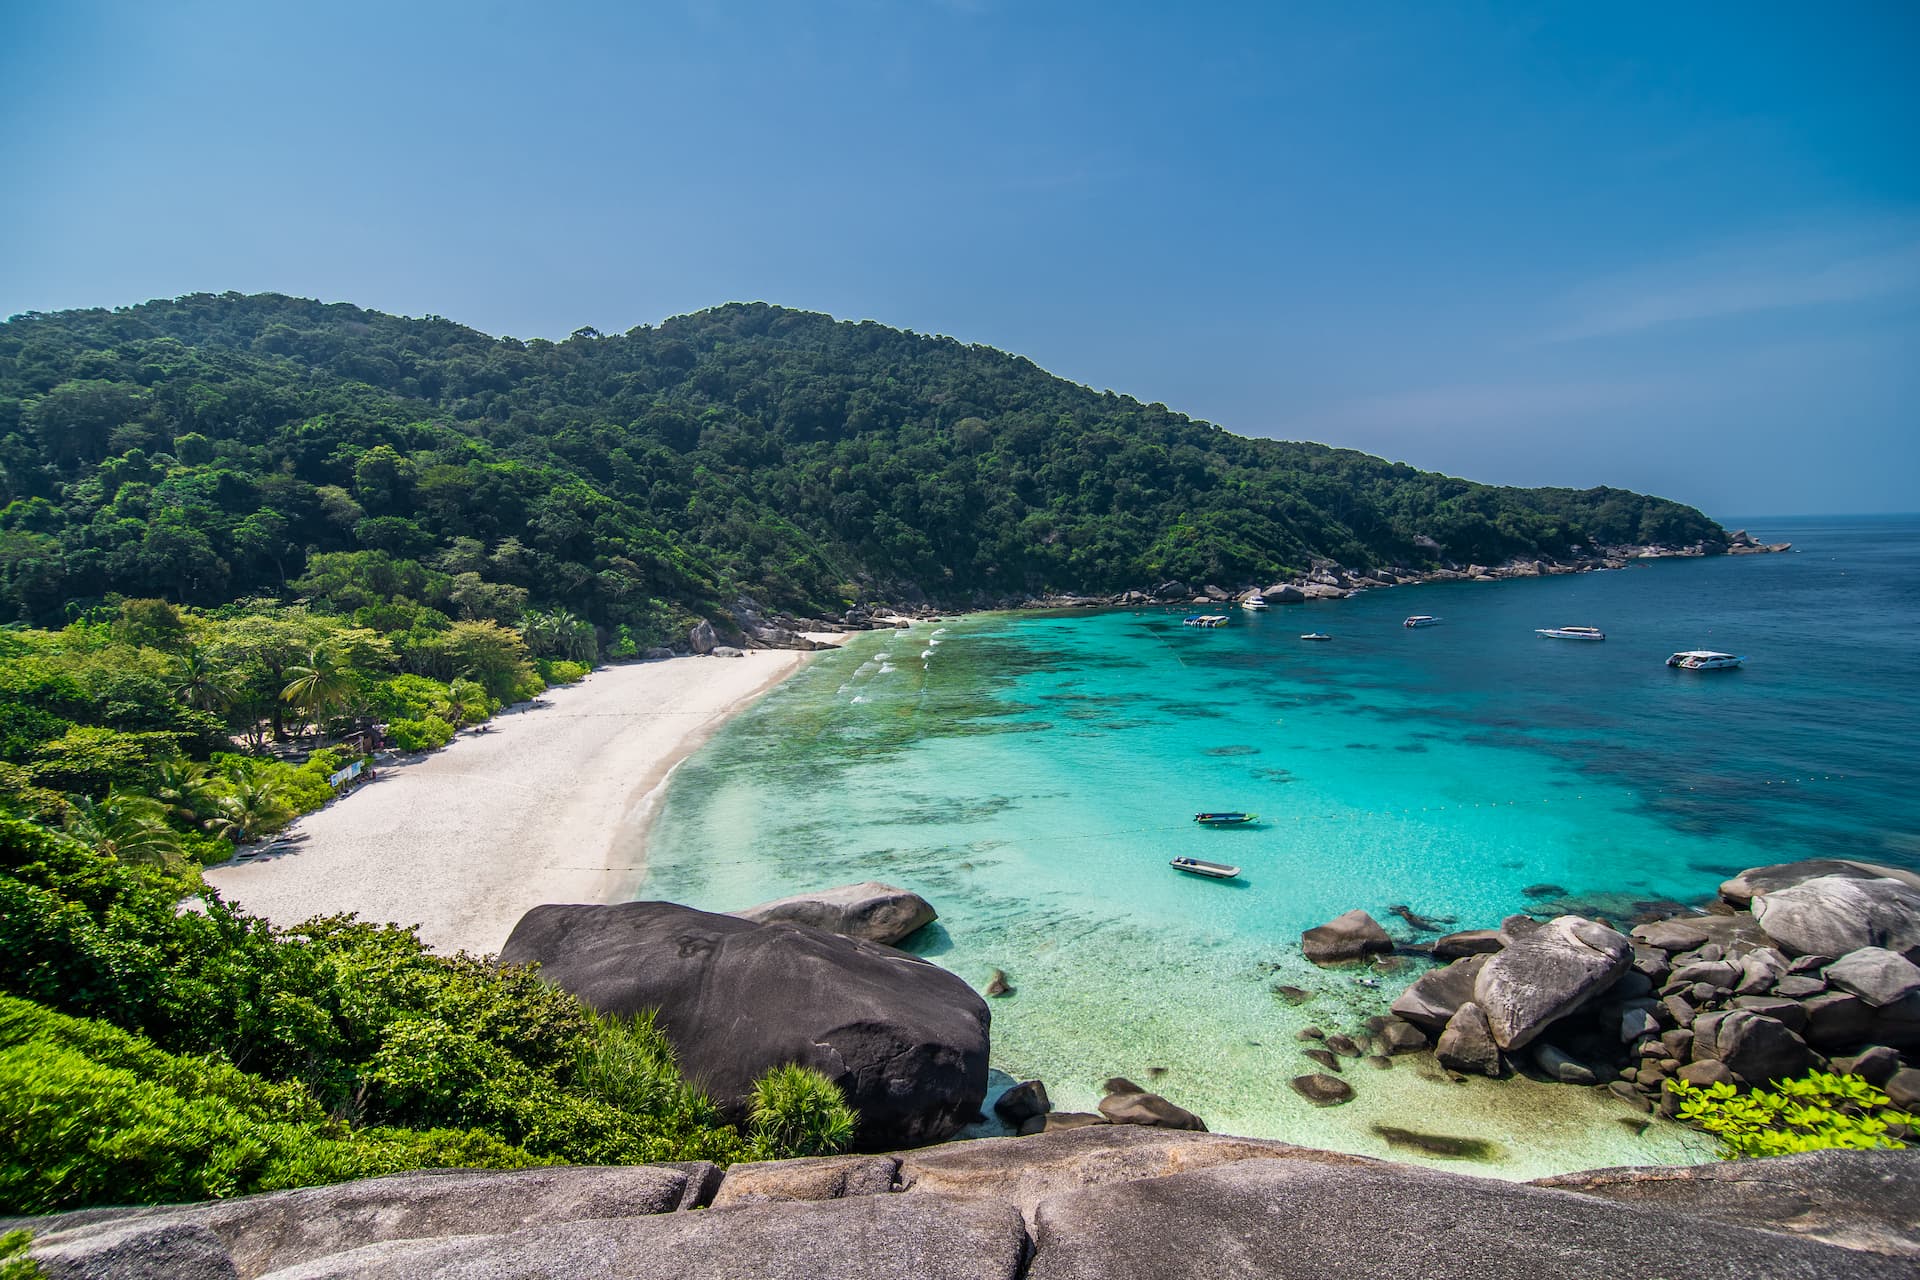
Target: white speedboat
(1211,870)
(1571,633)
(1704,660)
(1256,603)
(1316,635)
(1421,620)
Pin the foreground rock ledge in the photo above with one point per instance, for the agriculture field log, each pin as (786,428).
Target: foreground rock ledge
(1115,1202)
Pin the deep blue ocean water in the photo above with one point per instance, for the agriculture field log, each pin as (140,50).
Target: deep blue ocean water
(1031,774)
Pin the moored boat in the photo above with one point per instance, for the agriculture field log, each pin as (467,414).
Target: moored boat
(1199,867)
(1206,620)
(1704,660)
(1255,603)
(1421,620)
(1570,633)
(1234,819)
(1316,635)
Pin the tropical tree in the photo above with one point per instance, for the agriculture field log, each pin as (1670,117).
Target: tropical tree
(560,633)
(252,805)
(319,685)
(200,681)
(186,790)
(125,825)
(465,703)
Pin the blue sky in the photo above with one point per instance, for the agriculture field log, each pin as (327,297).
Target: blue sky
(1671,247)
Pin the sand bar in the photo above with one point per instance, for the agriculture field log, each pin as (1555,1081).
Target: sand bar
(549,805)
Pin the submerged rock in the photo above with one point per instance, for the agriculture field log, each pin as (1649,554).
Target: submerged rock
(1322,1090)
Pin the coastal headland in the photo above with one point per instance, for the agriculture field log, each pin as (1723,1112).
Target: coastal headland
(548,805)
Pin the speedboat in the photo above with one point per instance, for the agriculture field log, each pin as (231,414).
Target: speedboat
(1255,603)
(1316,635)
(1704,660)
(1571,633)
(1207,620)
(1421,620)
(1211,870)
(1224,819)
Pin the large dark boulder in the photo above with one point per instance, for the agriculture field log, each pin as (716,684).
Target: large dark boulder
(1467,1044)
(1546,974)
(1875,974)
(870,910)
(1834,915)
(1353,936)
(1437,994)
(1743,888)
(1760,1049)
(905,1040)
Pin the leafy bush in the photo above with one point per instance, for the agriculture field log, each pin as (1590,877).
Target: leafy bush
(425,734)
(14,1262)
(90,1114)
(1818,1112)
(561,670)
(796,1111)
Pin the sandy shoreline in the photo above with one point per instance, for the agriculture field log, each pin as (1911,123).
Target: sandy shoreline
(549,805)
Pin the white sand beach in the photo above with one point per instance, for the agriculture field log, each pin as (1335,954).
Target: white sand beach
(549,805)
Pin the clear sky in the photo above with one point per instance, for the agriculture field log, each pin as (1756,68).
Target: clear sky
(1674,247)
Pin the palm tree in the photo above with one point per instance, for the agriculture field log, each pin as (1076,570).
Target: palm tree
(251,806)
(560,633)
(466,701)
(127,826)
(319,685)
(185,790)
(202,683)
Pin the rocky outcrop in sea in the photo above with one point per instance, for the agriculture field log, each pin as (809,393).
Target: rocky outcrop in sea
(1796,967)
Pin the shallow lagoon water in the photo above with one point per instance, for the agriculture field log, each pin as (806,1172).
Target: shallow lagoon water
(1031,775)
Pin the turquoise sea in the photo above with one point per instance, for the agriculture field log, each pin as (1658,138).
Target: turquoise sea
(1032,774)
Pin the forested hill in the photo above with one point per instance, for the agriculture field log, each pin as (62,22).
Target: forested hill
(218,447)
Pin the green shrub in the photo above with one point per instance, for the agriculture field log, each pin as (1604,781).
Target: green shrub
(14,1262)
(1818,1112)
(426,734)
(796,1111)
(561,670)
(90,1114)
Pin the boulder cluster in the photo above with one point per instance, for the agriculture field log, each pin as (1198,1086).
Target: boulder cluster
(1797,967)
(1113,1202)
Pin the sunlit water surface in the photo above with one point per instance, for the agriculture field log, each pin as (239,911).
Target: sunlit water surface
(1031,775)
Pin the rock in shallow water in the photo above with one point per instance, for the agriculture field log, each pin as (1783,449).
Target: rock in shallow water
(906,1040)
(1353,936)
(1467,1044)
(1322,1090)
(1436,994)
(1546,974)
